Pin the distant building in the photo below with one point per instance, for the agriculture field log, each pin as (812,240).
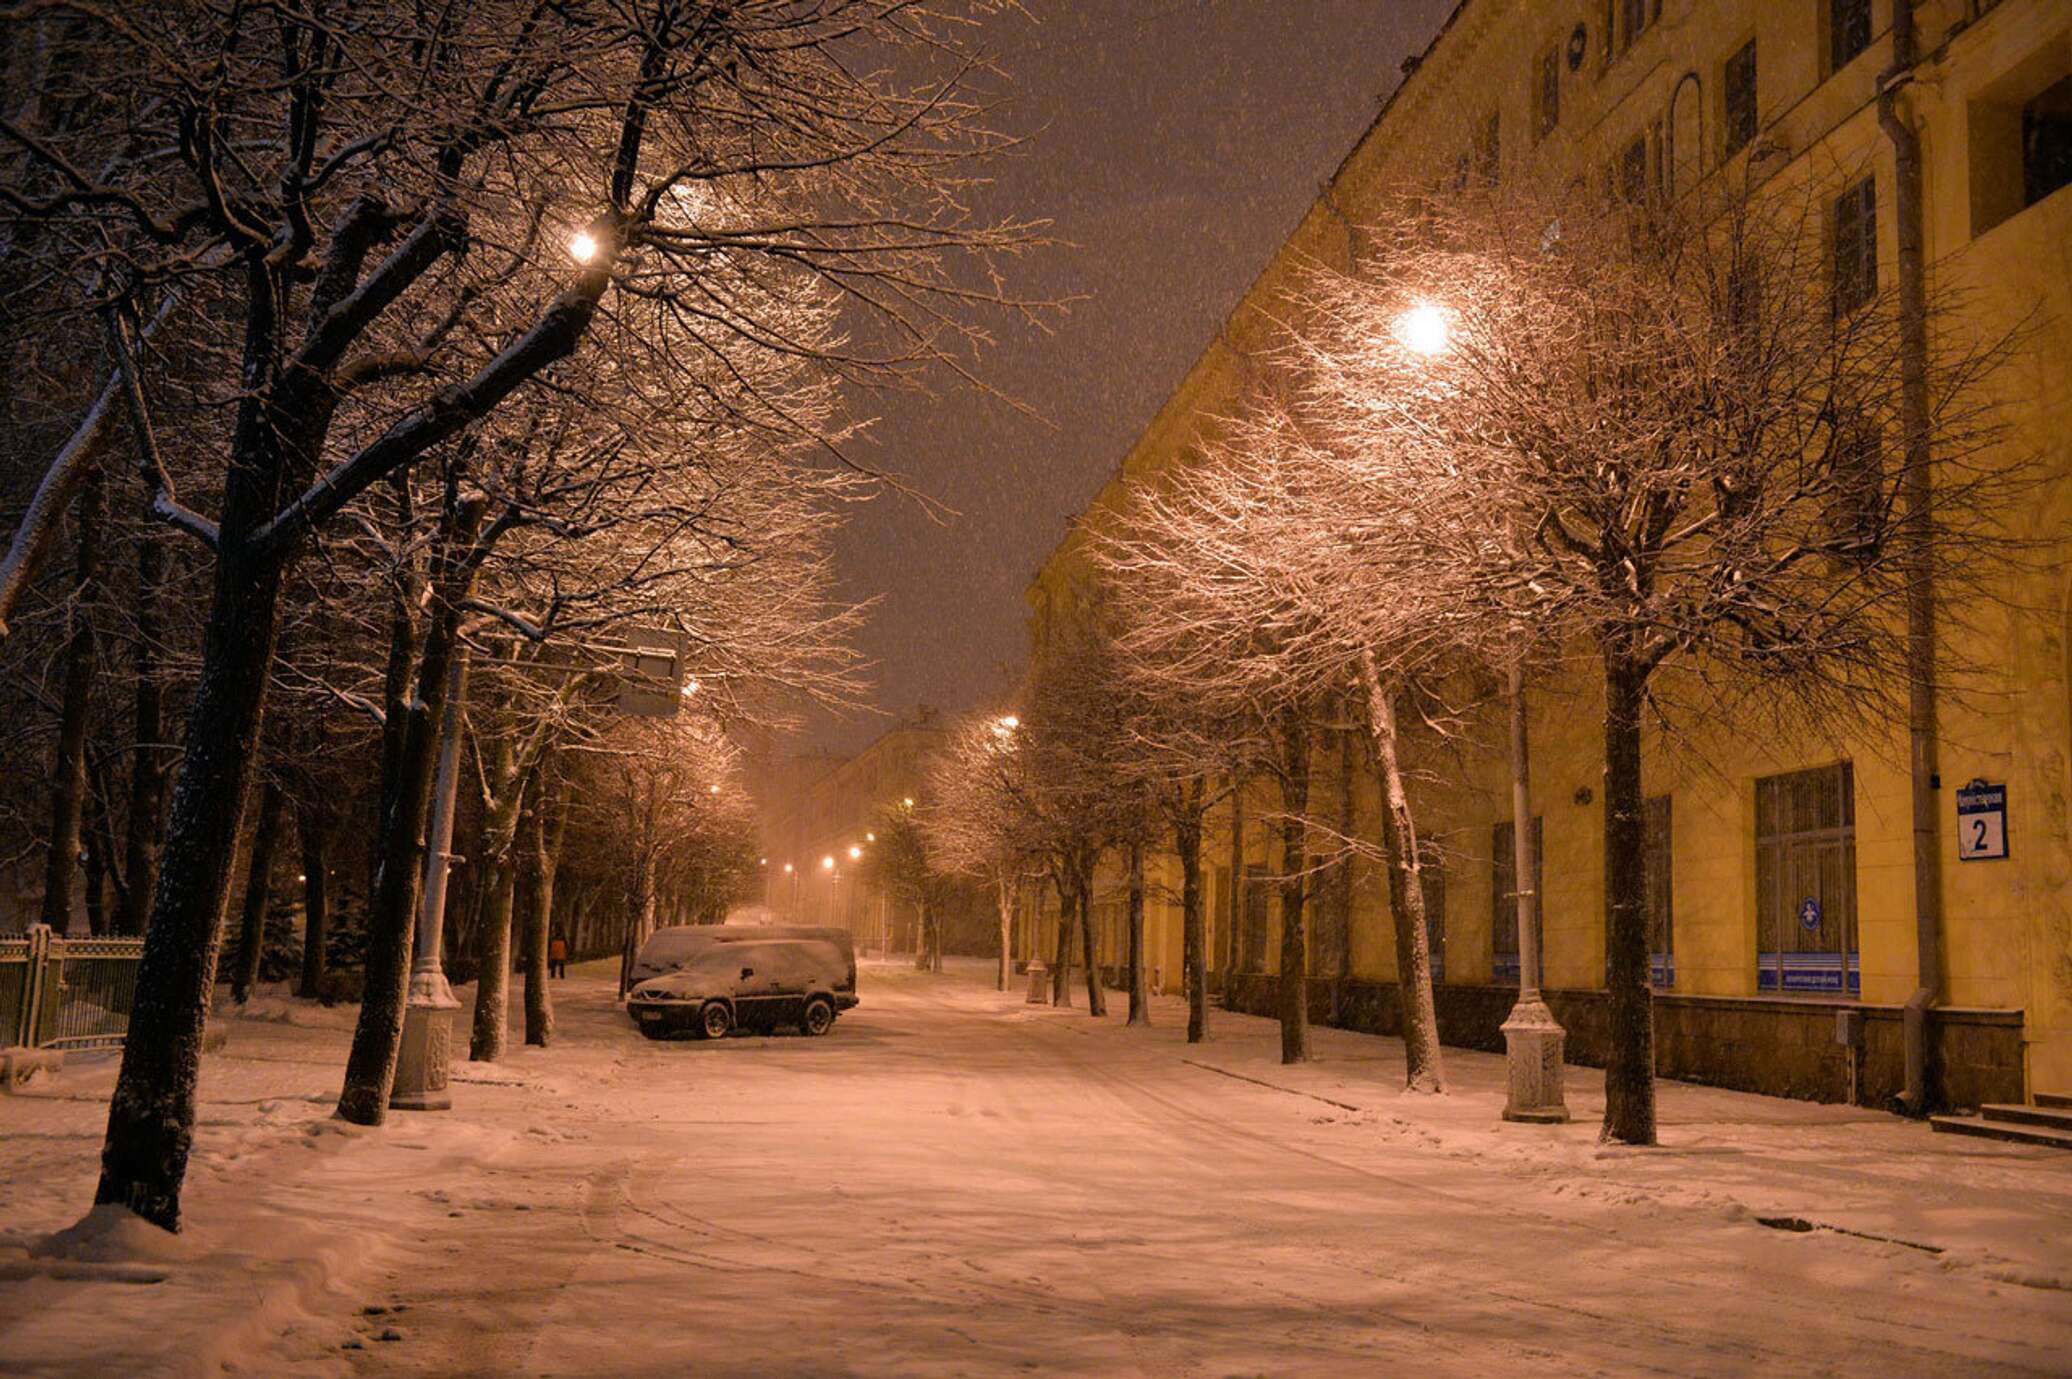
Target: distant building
(1783,887)
(819,807)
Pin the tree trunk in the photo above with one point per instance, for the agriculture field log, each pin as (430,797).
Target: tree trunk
(1424,1070)
(924,940)
(1089,941)
(1187,842)
(1140,977)
(1234,928)
(312,826)
(1061,969)
(1340,958)
(151,1115)
(1629,1070)
(1294,980)
(493,975)
(1004,898)
(258,892)
(370,1070)
(542,848)
(62,845)
(147,758)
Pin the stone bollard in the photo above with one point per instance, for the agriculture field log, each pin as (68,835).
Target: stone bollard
(1039,983)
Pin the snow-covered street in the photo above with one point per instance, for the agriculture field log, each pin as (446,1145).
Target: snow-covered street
(955,1183)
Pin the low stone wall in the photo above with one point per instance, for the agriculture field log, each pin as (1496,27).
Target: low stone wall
(1779,1047)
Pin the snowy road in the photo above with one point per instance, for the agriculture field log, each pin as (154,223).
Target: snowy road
(954,1184)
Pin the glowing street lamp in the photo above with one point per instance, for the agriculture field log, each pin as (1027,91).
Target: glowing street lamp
(583,247)
(854,853)
(1424,329)
(827,863)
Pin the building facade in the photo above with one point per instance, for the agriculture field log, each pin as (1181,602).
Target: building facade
(1781,873)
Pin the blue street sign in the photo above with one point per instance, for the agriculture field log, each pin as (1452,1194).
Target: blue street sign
(1809,915)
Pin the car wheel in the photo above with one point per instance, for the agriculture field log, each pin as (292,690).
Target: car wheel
(819,1017)
(715,1020)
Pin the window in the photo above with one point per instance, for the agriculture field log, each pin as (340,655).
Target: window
(1855,231)
(1738,82)
(1633,172)
(1848,31)
(1257,889)
(1857,511)
(1805,879)
(2047,143)
(1488,149)
(1655,855)
(1503,895)
(1546,94)
(1431,871)
(1625,21)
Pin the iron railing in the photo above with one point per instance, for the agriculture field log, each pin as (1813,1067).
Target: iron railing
(66,993)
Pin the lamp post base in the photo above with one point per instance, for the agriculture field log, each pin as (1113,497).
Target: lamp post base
(1533,1042)
(426,1055)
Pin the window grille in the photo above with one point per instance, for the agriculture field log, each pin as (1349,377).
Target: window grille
(1805,870)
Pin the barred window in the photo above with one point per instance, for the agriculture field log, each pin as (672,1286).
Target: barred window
(1738,81)
(1855,244)
(1805,876)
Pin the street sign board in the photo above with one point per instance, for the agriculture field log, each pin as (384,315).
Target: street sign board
(652,673)
(1981,822)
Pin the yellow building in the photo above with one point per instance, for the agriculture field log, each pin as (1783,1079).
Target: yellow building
(1782,874)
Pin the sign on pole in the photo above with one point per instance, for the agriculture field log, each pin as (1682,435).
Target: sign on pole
(1981,822)
(651,678)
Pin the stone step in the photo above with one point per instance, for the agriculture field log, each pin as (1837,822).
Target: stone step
(2002,1130)
(2054,1098)
(2050,1117)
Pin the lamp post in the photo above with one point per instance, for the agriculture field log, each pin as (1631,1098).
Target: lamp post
(1533,1038)
(425,1052)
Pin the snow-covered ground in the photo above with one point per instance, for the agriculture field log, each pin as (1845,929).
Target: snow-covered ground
(954,1183)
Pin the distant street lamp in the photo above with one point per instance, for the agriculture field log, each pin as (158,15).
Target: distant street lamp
(854,853)
(583,247)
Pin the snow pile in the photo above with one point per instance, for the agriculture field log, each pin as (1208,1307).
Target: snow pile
(109,1234)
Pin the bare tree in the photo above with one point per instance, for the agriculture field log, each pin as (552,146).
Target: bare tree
(443,207)
(1663,430)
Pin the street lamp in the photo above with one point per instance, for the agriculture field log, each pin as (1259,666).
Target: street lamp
(854,853)
(1424,329)
(583,247)
(1533,1038)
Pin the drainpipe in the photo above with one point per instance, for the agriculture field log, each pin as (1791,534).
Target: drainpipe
(1917,534)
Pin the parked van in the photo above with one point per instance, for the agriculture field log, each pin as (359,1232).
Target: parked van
(758,985)
(669,949)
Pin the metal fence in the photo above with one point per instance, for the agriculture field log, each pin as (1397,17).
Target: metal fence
(66,993)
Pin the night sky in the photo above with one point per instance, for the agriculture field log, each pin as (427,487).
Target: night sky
(1174,144)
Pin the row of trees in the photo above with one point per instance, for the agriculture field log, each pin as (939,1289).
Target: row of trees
(1519,436)
(415,374)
